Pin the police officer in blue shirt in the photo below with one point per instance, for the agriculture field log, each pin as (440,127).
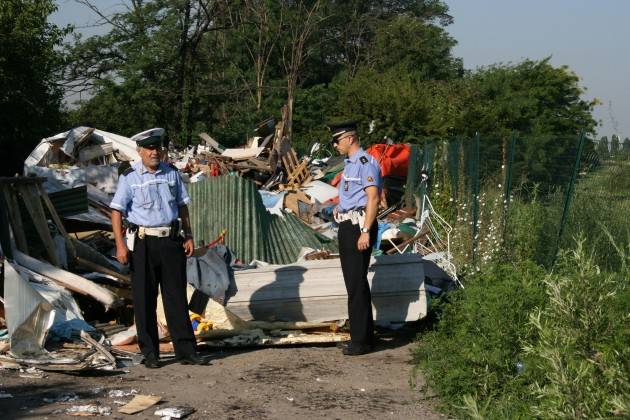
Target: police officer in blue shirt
(152,196)
(356,214)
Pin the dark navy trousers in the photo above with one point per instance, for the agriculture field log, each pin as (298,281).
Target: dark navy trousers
(354,265)
(161,262)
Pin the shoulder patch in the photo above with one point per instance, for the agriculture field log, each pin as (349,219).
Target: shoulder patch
(363,160)
(370,179)
(128,171)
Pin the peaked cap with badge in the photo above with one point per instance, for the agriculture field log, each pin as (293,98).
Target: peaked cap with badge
(154,136)
(339,129)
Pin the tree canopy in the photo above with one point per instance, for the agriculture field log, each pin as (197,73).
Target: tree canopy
(220,66)
(30,98)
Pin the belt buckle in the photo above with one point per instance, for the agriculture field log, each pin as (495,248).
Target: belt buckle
(163,233)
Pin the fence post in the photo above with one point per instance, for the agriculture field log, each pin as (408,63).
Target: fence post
(428,154)
(413,174)
(509,169)
(569,193)
(475,183)
(453,166)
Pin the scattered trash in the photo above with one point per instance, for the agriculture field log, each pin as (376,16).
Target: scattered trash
(31,373)
(177,412)
(89,410)
(69,397)
(140,403)
(269,253)
(119,393)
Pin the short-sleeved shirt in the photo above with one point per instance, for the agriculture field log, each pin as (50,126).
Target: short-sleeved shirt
(361,171)
(150,199)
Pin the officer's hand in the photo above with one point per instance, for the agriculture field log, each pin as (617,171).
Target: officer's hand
(122,254)
(364,241)
(189,247)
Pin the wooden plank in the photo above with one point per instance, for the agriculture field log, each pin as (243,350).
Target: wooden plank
(51,209)
(298,175)
(104,270)
(69,280)
(211,142)
(98,346)
(36,210)
(15,219)
(53,213)
(402,245)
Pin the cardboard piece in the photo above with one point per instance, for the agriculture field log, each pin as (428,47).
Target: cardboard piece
(140,403)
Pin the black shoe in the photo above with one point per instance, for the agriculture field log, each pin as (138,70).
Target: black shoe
(151,362)
(356,349)
(193,359)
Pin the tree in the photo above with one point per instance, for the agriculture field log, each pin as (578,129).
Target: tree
(602,148)
(300,27)
(614,145)
(150,61)
(532,97)
(30,101)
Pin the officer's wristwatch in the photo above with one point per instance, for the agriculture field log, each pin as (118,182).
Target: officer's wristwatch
(365,230)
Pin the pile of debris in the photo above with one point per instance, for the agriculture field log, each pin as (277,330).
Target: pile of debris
(265,269)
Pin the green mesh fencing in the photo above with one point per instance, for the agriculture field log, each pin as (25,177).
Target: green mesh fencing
(505,190)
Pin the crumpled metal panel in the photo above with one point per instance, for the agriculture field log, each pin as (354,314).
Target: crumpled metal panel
(71,201)
(29,315)
(233,203)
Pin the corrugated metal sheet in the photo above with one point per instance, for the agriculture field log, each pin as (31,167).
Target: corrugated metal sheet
(233,203)
(71,201)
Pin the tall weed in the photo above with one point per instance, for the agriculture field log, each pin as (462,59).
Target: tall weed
(582,345)
(476,348)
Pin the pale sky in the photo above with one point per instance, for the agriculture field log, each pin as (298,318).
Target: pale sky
(590,36)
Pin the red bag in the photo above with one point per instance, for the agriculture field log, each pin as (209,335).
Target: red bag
(393,158)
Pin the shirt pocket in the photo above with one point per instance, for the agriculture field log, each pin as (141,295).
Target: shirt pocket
(144,196)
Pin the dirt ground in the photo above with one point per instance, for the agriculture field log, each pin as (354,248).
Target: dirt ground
(262,383)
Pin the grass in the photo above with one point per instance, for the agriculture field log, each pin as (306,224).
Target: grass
(533,335)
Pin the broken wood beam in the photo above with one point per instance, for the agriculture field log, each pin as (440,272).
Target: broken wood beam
(99,268)
(98,346)
(36,210)
(69,280)
(211,142)
(15,219)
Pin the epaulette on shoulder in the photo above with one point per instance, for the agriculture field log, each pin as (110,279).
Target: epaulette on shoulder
(363,160)
(172,166)
(128,171)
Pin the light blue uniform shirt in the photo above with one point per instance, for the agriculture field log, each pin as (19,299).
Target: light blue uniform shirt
(361,171)
(150,199)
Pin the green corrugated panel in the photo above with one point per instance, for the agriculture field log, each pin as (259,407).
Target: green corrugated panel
(233,203)
(71,201)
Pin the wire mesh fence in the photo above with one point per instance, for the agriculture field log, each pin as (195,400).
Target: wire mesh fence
(525,195)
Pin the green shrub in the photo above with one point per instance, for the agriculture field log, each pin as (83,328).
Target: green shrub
(476,347)
(532,229)
(582,345)
(600,211)
(567,331)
